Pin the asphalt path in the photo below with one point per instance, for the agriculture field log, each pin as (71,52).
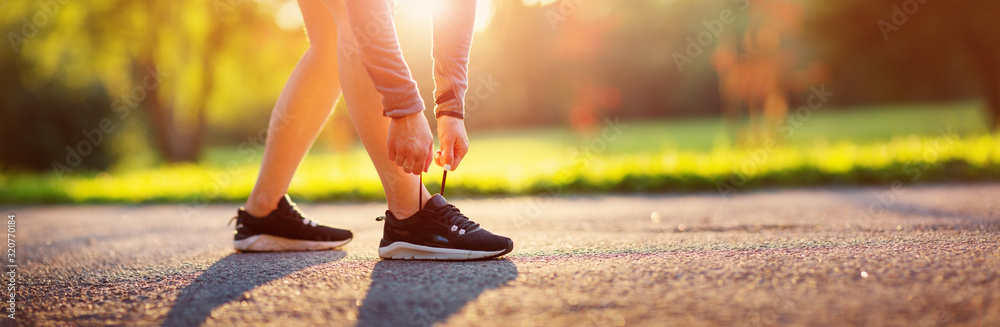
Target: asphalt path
(876,256)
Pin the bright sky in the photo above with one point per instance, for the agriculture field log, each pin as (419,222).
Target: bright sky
(288,16)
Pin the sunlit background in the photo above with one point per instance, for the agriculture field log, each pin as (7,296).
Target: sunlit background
(149,101)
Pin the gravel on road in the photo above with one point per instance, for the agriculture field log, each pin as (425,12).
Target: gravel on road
(879,256)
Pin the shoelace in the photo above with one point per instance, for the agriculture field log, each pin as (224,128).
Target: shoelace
(450,213)
(420,190)
(290,212)
(293,210)
(454,217)
(420,199)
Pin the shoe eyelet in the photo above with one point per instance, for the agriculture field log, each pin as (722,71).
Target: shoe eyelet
(454,228)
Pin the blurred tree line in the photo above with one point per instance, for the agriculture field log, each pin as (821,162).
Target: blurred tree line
(618,57)
(176,76)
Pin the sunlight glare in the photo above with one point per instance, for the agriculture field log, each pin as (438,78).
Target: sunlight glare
(289,17)
(484,10)
(484,14)
(540,3)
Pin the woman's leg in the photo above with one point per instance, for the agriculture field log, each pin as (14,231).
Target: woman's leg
(303,107)
(365,106)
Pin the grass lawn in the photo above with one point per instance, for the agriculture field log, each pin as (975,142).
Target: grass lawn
(874,145)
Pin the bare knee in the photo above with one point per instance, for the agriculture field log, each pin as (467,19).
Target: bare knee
(321,29)
(322,39)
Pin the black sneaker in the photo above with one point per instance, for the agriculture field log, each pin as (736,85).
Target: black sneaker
(285,229)
(439,231)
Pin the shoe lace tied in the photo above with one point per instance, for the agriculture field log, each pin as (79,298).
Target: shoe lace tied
(293,211)
(452,216)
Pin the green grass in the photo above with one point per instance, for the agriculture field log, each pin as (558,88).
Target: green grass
(865,146)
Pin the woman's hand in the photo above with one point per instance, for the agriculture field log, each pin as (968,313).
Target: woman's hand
(454,142)
(410,143)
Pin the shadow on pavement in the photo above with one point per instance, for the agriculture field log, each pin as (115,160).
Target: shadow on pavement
(232,276)
(422,293)
(873,205)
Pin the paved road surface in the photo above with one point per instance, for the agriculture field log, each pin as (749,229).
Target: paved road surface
(928,256)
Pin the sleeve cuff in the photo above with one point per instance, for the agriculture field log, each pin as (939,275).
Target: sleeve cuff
(403,112)
(448,104)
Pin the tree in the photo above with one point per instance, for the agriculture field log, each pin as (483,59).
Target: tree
(909,50)
(174,64)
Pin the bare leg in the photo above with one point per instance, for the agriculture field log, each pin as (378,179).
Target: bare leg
(365,106)
(303,107)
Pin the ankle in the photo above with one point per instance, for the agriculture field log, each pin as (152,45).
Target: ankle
(257,208)
(258,212)
(403,214)
(406,211)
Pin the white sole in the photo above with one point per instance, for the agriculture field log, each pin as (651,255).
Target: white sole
(409,251)
(271,243)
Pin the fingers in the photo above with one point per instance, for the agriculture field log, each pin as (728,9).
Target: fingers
(416,162)
(411,167)
(405,158)
(460,152)
(410,144)
(392,150)
(399,159)
(420,159)
(429,157)
(451,153)
(407,166)
(446,159)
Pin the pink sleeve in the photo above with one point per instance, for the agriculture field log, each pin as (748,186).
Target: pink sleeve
(371,23)
(453,23)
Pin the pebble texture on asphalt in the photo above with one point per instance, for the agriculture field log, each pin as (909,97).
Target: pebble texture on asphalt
(922,256)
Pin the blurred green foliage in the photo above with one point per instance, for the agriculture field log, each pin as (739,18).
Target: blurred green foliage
(931,145)
(177,67)
(49,123)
